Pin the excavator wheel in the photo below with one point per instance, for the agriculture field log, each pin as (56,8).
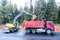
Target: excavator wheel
(13,29)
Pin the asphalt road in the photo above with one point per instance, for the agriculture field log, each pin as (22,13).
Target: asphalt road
(20,36)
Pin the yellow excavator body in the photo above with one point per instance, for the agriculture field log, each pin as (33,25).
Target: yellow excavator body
(10,25)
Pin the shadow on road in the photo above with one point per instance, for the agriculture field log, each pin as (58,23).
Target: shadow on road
(42,34)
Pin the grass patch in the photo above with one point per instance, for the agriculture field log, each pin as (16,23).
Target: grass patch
(57,24)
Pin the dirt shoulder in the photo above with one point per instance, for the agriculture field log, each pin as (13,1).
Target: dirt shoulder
(57,28)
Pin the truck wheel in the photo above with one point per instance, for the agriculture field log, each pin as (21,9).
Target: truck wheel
(15,30)
(48,31)
(27,30)
(11,31)
(33,30)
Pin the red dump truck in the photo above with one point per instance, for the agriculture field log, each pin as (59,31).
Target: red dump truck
(38,27)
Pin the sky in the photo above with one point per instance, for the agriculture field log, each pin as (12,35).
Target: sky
(22,2)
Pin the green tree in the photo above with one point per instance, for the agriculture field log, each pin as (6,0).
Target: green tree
(31,6)
(51,10)
(27,17)
(21,18)
(3,11)
(3,2)
(58,14)
(9,11)
(40,9)
(15,11)
(1,17)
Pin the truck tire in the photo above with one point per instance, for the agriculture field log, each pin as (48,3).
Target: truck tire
(48,31)
(33,30)
(27,30)
(15,30)
(11,31)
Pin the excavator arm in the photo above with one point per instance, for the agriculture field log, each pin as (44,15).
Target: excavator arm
(24,12)
(12,27)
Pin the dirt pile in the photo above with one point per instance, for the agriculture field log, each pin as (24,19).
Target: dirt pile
(57,29)
(1,27)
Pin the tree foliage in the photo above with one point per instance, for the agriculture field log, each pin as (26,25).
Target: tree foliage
(51,10)
(58,14)
(40,9)
(48,10)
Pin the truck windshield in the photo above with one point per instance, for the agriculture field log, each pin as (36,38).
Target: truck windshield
(51,23)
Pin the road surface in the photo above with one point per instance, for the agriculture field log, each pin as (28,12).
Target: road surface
(20,36)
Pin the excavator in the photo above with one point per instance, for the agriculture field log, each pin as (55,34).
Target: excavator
(12,27)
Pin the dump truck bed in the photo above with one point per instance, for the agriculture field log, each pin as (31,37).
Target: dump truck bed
(33,24)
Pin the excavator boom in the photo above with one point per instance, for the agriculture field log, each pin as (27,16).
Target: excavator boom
(24,12)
